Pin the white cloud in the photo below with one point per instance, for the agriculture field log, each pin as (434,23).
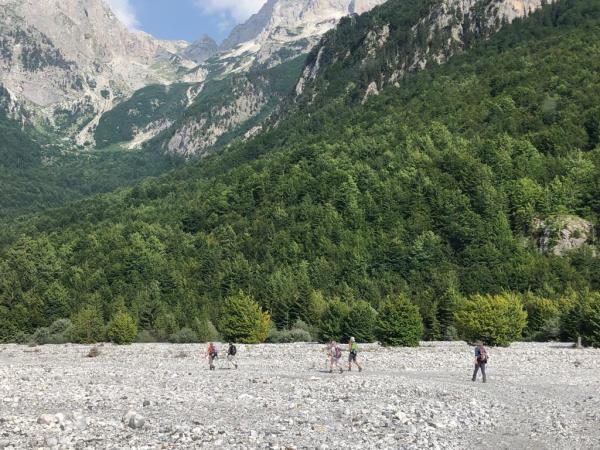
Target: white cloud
(238,10)
(124,12)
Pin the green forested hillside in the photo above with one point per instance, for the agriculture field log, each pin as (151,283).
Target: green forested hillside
(37,171)
(427,190)
(54,179)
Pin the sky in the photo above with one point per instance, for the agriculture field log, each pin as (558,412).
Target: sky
(184,19)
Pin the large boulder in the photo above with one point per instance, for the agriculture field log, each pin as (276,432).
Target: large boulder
(559,235)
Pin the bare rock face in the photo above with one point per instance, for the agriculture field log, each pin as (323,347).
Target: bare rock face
(201,50)
(560,235)
(297,24)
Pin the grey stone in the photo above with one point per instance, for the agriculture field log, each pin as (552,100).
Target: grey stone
(134,420)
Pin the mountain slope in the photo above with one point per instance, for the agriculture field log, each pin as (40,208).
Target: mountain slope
(68,61)
(272,41)
(430,189)
(368,52)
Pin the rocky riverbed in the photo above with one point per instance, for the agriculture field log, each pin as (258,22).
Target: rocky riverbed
(161,396)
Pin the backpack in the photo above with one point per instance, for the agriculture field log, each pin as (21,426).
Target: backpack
(232,350)
(212,351)
(483,356)
(337,353)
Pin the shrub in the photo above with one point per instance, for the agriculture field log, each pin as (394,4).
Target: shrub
(591,321)
(60,331)
(450,334)
(361,322)
(582,319)
(41,336)
(206,331)
(399,323)
(8,330)
(286,336)
(88,326)
(571,321)
(164,326)
(243,320)
(184,336)
(122,329)
(542,318)
(145,337)
(492,319)
(60,326)
(301,325)
(333,321)
(23,338)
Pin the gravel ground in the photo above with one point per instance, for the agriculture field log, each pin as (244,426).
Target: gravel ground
(537,396)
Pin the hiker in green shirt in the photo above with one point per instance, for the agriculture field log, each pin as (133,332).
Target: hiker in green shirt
(353,349)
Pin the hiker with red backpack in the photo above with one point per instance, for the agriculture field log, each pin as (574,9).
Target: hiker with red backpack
(481,359)
(212,355)
(335,355)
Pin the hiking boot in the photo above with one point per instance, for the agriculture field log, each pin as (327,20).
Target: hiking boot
(330,370)
(360,369)
(341,370)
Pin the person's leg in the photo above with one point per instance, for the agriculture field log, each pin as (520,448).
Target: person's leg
(483,371)
(475,372)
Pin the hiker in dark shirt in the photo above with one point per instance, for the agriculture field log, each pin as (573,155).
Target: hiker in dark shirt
(231,352)
(481,359)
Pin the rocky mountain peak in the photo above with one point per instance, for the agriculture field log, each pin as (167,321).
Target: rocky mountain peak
(201,49)
(297,24)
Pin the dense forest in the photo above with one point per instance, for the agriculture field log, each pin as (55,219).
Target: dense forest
(428,192)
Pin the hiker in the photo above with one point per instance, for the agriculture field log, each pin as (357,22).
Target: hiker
(335,354)
(231,352)
(211,354)
(353,349)
(481,359)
